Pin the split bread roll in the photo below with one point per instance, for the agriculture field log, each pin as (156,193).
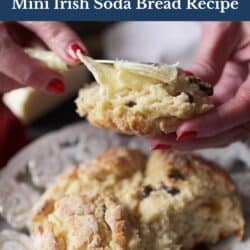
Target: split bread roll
(123,200)
(28,104)
(141,99)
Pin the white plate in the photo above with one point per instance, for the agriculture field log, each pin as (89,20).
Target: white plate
(34,168)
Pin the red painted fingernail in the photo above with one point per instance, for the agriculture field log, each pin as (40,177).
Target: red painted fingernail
(160,146)
(186,135)
(56,86)
(189,73)
(72,51)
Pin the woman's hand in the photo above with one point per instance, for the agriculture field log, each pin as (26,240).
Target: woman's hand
(223,60)
(17,69)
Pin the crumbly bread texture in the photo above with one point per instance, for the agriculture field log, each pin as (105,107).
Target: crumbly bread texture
(141,99)
(80,222)
(124,200)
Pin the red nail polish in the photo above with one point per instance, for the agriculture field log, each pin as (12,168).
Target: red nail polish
(72,51)
(186,135)
(160,146)
(188,73)
(56,86)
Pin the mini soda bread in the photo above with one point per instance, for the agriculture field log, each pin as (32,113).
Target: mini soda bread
(124,200)
(141,99)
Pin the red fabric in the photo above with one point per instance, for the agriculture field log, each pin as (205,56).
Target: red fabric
(12,134)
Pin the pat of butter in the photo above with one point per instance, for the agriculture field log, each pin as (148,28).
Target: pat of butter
(28,104)
(122,75)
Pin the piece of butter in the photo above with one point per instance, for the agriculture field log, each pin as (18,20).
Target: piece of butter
(119,75)
(28,104)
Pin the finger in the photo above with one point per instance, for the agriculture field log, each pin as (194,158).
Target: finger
(18,66)
(164,138)
(163,141)
(217,43)
(243,55)
(7,84)
(58,37)
(230,114)
(234,74)
(220,140)
(243,49)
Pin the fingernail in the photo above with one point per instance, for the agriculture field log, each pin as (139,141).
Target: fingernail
(56,86)
(72,51)
(188,73)
(160,146)
(186,135)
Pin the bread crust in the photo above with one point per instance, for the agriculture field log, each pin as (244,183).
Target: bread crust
(91,223)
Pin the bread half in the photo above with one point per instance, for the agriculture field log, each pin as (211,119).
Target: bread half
(141,99)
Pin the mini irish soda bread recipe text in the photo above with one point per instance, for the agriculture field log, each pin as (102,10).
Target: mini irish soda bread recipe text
(141,99)
(222,6)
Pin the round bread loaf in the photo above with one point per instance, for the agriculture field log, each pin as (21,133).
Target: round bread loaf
(169,201)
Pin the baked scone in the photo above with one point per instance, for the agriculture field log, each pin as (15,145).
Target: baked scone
(141,99)
(172,201)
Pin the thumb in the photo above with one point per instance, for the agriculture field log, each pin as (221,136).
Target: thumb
(217,44)
(59,37)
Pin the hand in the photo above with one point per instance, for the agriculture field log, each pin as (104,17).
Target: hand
(17,69)
(223,60)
